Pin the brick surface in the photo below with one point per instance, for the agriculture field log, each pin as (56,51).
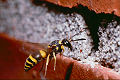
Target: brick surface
(12,59)
(99,6)
(12,64)
(67,68)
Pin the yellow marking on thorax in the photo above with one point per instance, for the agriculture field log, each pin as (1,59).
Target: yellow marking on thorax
(62,47)
(33,59)
(60,42)
(53,45)
(29,62)
(57,48)
(43,53)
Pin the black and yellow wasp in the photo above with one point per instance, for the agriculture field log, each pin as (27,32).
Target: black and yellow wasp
(55,47)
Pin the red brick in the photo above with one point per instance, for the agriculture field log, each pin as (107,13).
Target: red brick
(79,71)
(12,61)
(99,6)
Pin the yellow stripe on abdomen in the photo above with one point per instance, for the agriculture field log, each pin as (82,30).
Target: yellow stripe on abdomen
(33,59)
(27,66)
(29,62)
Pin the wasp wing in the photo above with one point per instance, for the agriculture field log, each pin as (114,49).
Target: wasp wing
(38,45)
(33,48)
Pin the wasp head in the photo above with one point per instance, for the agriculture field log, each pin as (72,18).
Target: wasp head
(67,43)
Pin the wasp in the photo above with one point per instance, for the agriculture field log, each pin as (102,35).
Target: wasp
(55,47)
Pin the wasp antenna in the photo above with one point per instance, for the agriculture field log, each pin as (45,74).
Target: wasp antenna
(78,39)
(67,36)
(76,34)
(73,36)
(85,28)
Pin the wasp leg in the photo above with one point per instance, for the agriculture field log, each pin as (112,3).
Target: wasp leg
(47,63)
(41,67)
(62,47)
(55,60)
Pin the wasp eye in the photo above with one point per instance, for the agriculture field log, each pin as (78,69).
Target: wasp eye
(66,42)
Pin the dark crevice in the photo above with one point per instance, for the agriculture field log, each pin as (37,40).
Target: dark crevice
(93,20)
(69,71)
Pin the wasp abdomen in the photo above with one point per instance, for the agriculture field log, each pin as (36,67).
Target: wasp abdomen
(30,62)
(33,59)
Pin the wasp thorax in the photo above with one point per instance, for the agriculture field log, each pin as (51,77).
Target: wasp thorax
(67,43)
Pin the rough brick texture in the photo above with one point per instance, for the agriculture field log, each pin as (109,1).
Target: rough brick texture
(99,6)
(12,64)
